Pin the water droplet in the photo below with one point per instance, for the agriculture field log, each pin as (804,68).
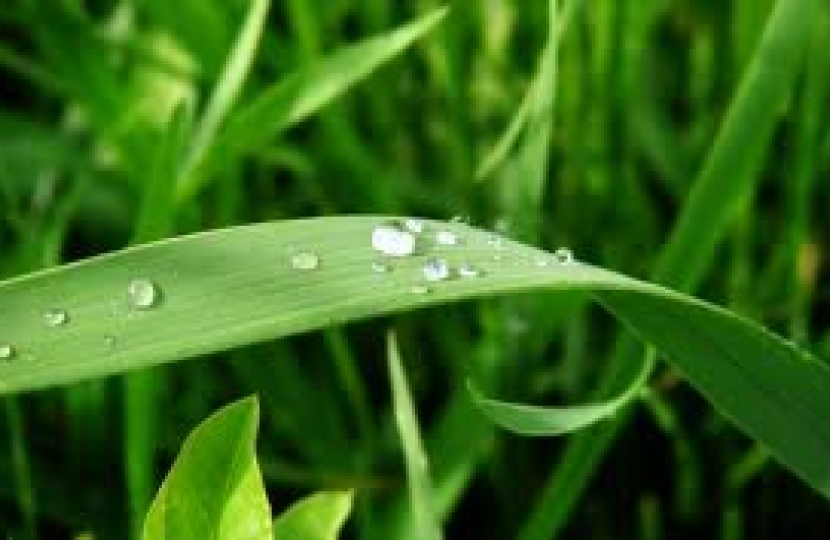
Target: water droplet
(305,261)
(7,352)
(563,256)
(414,225)
(381,268)
(467,270)
(143,293)
(446,238)
(56,317)
(391,240)
(436,270)
(419,289)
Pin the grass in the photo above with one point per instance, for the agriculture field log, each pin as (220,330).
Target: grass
(682,142)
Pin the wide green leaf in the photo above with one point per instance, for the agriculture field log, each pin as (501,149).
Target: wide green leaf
(318,517)
(231,287)
(215,488)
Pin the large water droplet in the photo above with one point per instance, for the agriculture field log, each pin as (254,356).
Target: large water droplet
(414,225)
(467,270)
(390,239)
(436,270)
(305,260)
(7,352)
(143,293)
(563,256)
(56,317)
(446,238)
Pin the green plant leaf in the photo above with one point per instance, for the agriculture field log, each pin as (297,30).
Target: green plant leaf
(548,421)
(214,489)
(318,517)
(300,95)
(426,525)
(231,287)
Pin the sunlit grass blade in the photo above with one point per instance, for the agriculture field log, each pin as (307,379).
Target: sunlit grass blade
(214,489)
(426,525)
(300,95)
(548,421)
(231,287)
(318,517)
(229,84)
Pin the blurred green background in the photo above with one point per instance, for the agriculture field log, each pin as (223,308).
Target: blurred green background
(622,102)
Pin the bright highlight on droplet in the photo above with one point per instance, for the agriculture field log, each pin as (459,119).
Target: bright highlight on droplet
(56,317)
(7,352)
(436,270)
(390,239)
(563,256)
(305,261)
(467,270)
(446,238)
(414,225)
(143,293)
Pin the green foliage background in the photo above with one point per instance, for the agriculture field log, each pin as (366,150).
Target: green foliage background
(118,126)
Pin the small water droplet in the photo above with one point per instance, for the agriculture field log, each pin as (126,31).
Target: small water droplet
(414,225)
(391,240)
(436,270)
(446,238)
(419,289)
(467,270)
(56,317)
(563,256)
(143,293)
(305,261)
(7,352)
(381,268)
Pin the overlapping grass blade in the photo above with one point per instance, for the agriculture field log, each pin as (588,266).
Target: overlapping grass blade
(426,525)
(318,517)
(236,286)
(300,95)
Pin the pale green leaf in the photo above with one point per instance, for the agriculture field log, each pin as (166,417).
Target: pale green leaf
(318,517)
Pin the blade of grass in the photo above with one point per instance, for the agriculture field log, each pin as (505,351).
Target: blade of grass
(728,177)
(318,517)
(425,521)
(229,85)
(299,96)
(241,285)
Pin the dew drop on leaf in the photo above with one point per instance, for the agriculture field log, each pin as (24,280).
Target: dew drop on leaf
(56,317)
(7,352)
(436,270)
(143,293)
(390,239)
(446,238)
(305,260)
(563,256)
(414,225)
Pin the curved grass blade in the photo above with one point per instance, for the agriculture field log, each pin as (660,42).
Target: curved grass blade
(548,421)
(231,287)
(318,517)
(426,525)
(214,489)
(300,95)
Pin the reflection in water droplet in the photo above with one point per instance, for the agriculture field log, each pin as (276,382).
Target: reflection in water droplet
(414,225)
(6,352)
(419,289)
(305,261)
(467,270)
(143,293)
(56,317)
(391,240)
(381,268)
(564,256)
(446,238)
(436,270)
